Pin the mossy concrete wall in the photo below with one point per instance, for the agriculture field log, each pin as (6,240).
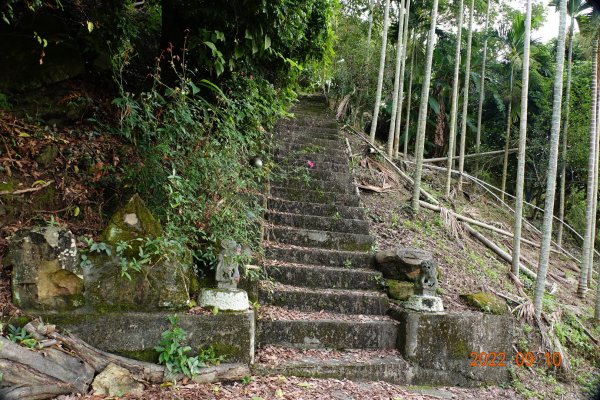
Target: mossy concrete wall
(135,334)
(439,346)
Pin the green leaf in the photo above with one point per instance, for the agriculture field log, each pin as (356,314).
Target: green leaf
(267,42)
(90,26)
(76,211)
(305,385)
(195,89)
(211,46)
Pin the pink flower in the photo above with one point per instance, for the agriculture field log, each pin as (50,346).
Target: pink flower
(310,164)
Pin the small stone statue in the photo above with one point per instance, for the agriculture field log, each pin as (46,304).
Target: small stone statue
(228,274)
(427,283)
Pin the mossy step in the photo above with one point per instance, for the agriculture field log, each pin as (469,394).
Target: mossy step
(314,196)
(320,239)
(293,126)
(298,182)
(322,210)
(340,301)
(296,162)
(315,222)
(389,369)
(305,172)
(312,256)
(328,334)
(287,153)
(302,138)
(309,149)
(312,133)
(310,121)
(318,276)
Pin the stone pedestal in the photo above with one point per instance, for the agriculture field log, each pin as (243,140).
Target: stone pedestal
(424,303)
(224,299)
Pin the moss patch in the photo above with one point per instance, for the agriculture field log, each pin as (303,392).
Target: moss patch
(486,302)
(399,290)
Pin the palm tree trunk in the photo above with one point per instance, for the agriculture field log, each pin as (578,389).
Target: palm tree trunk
(463,127)
(540,282)
(454,101)
(516,256)
(409,95)
(402,69)
(390,142)
(508,129)
(369,30)
(595,191)
(482,85)
(386,15)
(422,122)
(587,238)
(563,171)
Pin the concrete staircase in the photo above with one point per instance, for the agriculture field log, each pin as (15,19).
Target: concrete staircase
(317,249)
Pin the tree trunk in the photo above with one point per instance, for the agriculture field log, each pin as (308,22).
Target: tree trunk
(409,94)
(587,238)
(552,163)
(422,122)
(522,147)
(390,143)
(508,129)
(595,191)
(482,85)
(369,30)
(402,70)
(454,101)
(386,16)
(463,127)
(567,105)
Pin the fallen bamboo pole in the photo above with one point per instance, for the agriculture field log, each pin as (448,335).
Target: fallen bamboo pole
(487,153)
(505,256)
(403,174)
(481,224)
(483,184)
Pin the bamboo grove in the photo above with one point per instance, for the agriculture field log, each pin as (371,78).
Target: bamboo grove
(478,86)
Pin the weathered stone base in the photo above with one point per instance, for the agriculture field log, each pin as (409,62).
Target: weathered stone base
(424,303)
(388,369)
(135,334)
(439,346)
(224,299)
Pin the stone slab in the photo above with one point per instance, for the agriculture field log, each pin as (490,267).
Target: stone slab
(320,239)
(314,256)
(319,276)
(312,209)
(388,369)
(328,334)
(316,222)
(439,346)
(135,334)
(224,299)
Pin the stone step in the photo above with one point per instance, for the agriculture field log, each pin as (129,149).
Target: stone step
(354,365)
(287,153)
(328,334)
(320,239)
(315,222)
(311,122)
(322,210)
(318,276)
(307,173)
(301,138)
(285,162)
(315,196)
(294,181)
(340,301)
(311,256)
(317,174)
(312,131)
(310,150)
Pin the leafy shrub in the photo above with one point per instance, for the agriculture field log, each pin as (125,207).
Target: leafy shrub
(174,354)
(195,173)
